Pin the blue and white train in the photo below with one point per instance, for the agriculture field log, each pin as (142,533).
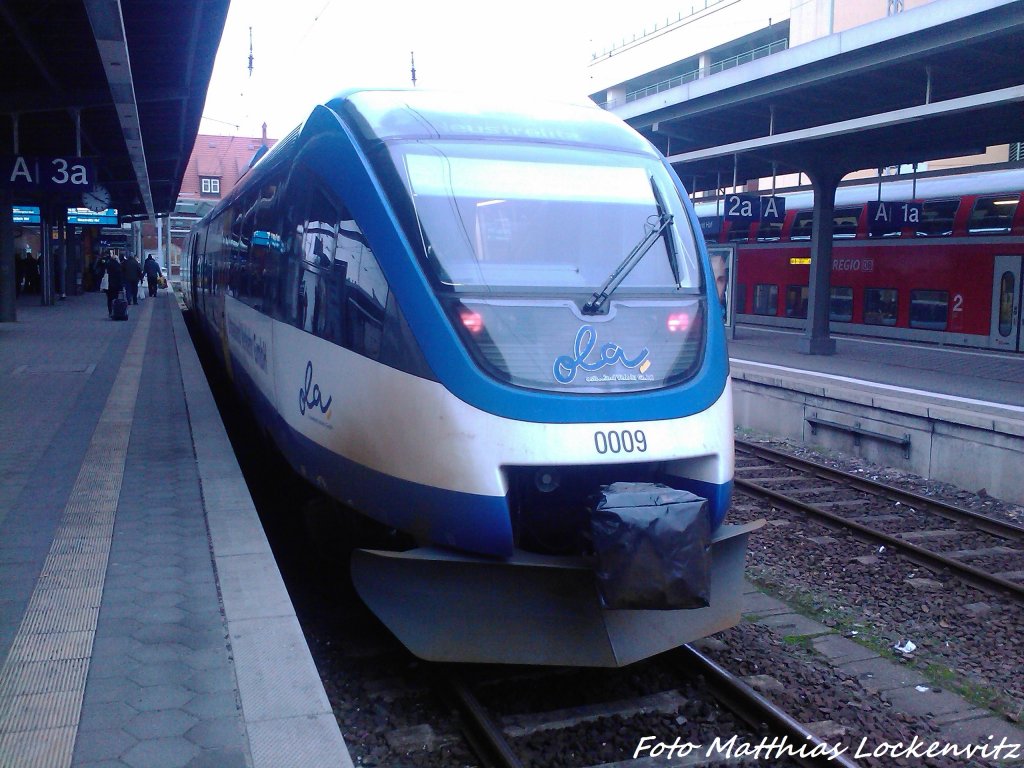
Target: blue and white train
(461,318)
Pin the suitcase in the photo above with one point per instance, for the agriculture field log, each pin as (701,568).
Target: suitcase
(120,307)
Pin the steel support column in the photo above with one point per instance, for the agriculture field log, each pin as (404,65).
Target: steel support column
(8,294)
(816,340)
(46,253)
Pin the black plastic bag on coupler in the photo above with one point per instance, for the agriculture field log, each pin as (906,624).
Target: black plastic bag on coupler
(653,547)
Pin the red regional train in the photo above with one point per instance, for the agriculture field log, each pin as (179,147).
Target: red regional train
(954,277)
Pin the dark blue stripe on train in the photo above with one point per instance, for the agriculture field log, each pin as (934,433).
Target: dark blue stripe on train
(471,522)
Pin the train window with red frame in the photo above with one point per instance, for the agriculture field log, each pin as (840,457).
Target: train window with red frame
(840,304)
(929,310)
(992,214)
(769,231)
(800,229)
(937,218)
(766,299)
(1007,292)
(844,224)
(796,301)
(880,306)
(739,232)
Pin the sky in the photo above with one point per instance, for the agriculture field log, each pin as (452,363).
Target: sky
(305,51)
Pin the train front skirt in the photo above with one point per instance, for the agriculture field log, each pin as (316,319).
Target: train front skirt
(535,609)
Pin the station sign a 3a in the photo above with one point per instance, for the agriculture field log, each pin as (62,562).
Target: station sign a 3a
(24,172)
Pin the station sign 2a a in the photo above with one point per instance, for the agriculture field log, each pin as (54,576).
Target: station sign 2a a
(747,208)
(23,172)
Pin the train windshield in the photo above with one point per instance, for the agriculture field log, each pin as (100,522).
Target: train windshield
(562,268)
(511,217)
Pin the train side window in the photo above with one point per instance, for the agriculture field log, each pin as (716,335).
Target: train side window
(241,237)
(844,224)
(366,290)
(221,250)
(937,218)
(265,254)
(202,260)
(796,301)
(766,299)
(1007,290)
(316,283)
(992,214)
(740,299)
(840,307)
(769,231)
(880,305)
(739,232)
(292,302)
(929,309)
(801,227)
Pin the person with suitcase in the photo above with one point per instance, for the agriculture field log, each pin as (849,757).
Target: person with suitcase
(119,310)
(115,282)
(152,271)
(132,277)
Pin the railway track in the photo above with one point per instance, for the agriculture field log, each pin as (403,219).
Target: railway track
(492,736)
(984,551)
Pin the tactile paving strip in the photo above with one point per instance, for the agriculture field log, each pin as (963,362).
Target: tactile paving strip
(42,681)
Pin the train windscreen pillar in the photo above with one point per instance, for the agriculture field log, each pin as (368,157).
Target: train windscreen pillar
(816,339)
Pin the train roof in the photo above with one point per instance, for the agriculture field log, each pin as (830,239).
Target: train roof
(389,115)
(396,114)
(928,188)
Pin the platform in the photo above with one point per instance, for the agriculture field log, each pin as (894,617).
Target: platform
(976,374)
(923,408)
(143,620)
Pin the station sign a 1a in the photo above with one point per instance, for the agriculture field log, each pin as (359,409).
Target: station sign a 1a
(893,213)
(23,172)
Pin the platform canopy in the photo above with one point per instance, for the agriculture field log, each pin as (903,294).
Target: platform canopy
(941,80)
(121,83)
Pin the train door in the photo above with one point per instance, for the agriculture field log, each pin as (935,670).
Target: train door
(1007,318)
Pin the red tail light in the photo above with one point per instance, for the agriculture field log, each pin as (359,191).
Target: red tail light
(678,321)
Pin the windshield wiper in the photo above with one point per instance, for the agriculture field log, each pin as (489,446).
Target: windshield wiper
(593,307)
(670,242)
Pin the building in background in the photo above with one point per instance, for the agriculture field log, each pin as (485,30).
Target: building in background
(216,165)
(715,35)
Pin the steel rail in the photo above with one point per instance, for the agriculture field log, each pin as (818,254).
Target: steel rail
(1001,528)
(483,734)
(921,555)
(756,711)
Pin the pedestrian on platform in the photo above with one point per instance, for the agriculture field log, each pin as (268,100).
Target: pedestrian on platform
(132,272)
(152,270)
(19,273)
(31,267)
(114,278)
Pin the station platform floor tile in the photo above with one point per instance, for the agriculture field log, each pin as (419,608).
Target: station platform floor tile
(142,621)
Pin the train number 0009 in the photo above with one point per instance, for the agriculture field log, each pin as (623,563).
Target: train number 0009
(624,441)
